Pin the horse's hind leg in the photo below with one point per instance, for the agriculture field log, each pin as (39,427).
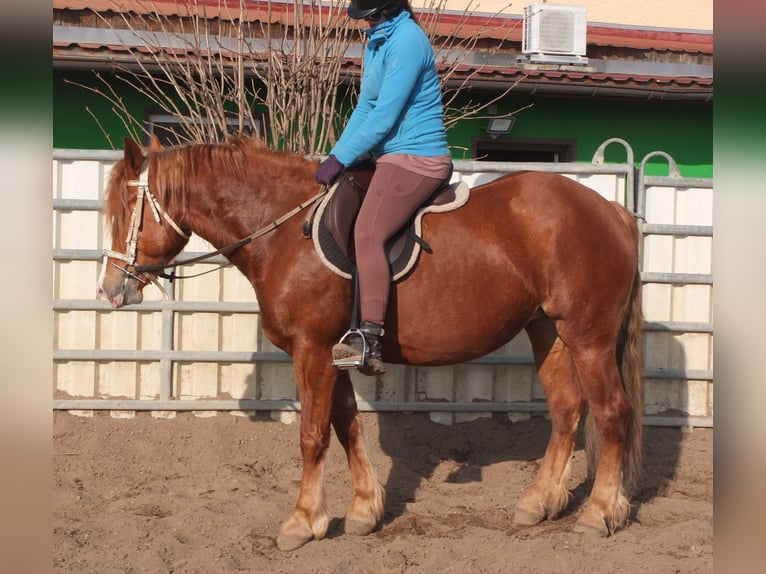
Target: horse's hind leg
(607,508)
(366,507)
(549,495)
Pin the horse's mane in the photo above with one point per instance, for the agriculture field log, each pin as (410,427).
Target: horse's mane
(170,170)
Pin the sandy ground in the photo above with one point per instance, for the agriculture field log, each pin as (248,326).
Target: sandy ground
(207,494)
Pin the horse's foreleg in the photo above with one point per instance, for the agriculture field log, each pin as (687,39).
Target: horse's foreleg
(316,384)
(607,508)
(366,507)
(549,494)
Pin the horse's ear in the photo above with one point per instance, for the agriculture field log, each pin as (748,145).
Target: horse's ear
(134,155)
(154,144)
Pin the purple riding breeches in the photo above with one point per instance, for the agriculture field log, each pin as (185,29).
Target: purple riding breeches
(394,194)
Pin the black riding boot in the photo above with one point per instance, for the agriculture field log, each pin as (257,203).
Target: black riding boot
(353,350)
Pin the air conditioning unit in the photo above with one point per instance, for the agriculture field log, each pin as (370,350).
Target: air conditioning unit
(554,33)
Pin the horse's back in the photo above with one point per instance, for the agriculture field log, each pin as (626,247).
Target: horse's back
(547,209)
(565,240)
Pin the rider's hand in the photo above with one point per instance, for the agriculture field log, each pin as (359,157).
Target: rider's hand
(328,171)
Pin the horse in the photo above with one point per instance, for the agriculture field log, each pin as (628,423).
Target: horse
(529,250)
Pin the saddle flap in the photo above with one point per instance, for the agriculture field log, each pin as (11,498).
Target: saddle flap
(343,206)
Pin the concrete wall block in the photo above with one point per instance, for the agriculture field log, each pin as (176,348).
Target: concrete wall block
(658,254)
(435,383)
(197,244)
(693,254)
(442,418)
(657,302)
(694,206)
(692,303)
(198,331)
(206,287)
(118,330)
(388,383)
(514,383)
(474,383)
(236,287)
(265,345)
(148,380)
(519,346)
(238,380)
(76,229)
(366,387)
(537,390)
(150,330)
(75,279)
(284,417)
(75,378)
(75,330)
(79,179)
(660,205)
(698,398)
(197,381)
(697,353)
(607,185)
(277,382)
(662,395)
(239,332)
(662,351)
(468,417)
(117,380)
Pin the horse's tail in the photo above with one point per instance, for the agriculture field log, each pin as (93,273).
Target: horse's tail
(630,363)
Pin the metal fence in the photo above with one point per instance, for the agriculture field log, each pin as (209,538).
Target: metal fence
(203,349)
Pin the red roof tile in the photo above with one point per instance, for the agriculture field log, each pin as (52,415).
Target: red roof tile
(450,23)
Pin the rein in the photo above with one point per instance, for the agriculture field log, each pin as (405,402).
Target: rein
(158,270)
(229,248)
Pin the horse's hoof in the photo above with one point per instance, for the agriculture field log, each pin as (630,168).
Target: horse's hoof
(523,517)
(592,524)
(299,535)
(358,527)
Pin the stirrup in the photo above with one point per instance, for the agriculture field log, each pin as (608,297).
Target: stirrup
(353,361)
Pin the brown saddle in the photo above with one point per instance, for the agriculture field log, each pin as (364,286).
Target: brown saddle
(331,224)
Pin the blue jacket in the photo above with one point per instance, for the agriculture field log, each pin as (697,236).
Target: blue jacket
(400,107)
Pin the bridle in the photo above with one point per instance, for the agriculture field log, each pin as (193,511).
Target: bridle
(143,195)
(154,272)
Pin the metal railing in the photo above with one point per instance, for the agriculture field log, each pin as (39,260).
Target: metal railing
(167,355)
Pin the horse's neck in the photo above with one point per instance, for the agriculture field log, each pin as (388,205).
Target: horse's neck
(224,217)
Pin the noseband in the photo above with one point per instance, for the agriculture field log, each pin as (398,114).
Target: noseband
(131,241)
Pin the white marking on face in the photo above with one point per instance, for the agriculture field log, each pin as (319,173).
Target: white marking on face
(100,283)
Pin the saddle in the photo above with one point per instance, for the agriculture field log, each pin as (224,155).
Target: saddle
(331,223)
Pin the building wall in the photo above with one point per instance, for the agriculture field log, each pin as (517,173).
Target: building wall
(682,129)
(681,14)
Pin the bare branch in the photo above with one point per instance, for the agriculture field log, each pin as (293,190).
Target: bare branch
(212,66)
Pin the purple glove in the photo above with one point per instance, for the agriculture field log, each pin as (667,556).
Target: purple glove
(328,171)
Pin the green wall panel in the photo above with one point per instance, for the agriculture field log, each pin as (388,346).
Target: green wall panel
(682,129)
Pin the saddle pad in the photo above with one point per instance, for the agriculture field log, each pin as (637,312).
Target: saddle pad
(334,259)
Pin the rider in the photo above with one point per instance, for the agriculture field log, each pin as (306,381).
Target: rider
(399,121)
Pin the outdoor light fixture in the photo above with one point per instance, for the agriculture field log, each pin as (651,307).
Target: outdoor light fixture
(500,126)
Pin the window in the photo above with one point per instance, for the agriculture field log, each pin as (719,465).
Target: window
(171,131)
(525,150)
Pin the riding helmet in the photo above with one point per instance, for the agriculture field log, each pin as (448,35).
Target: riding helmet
(359,9)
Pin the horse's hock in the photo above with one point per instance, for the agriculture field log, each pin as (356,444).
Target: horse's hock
(204,350)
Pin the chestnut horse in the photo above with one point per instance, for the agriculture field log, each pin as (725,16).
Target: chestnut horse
(530,250)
